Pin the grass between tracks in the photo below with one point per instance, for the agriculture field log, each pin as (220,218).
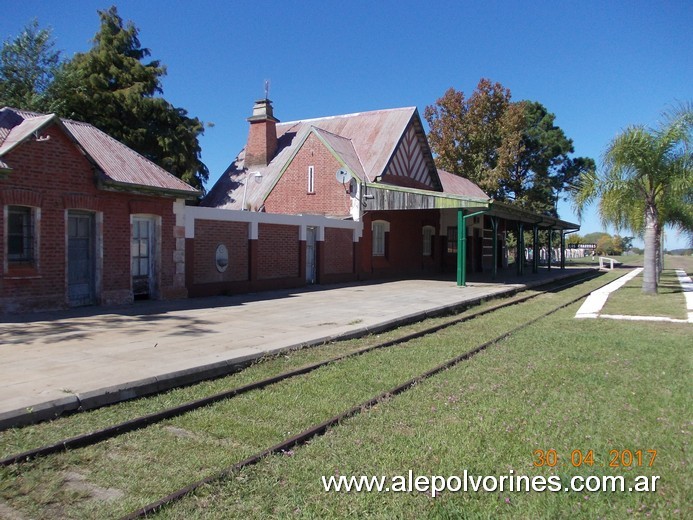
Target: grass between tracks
(562,384)
(17,440)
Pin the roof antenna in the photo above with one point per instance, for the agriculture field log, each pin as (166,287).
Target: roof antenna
(267,86)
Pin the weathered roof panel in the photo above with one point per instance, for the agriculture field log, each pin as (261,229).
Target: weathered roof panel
(389,197)
(344,148)
(454,184)
(374,134)
(121,166)
(120,163)
(22,131)
(364,141)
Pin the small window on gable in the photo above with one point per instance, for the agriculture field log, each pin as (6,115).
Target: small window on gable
(21,236)
(311,179)
(379,229)
(452,240)
(428,232)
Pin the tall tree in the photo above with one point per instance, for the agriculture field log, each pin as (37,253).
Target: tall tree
(542,168)
(116,90)
(478,137)
(27,68)
(513,151)
(646,182)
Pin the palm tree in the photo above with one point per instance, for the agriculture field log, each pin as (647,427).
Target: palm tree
(646,182)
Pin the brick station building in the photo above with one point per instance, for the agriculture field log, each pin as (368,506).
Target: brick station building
(374,169)
(84,219)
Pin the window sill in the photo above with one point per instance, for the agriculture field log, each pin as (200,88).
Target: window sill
(21,272)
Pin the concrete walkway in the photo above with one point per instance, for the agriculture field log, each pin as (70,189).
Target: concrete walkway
(593,305)
(53,362)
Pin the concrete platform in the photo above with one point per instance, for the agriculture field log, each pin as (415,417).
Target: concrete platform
(89,357)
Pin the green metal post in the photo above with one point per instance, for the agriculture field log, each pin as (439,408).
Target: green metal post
(549,248)
(535,253)
(520,258)
(494,227)
(562,249)
(461,249)
(462,245)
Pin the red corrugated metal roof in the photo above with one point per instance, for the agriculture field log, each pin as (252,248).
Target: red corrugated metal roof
(456,185)
(374,135)
(344,148)
(119,163)
(364,141)
(24,129)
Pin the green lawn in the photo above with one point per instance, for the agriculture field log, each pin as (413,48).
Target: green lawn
(565,384)
(668,302)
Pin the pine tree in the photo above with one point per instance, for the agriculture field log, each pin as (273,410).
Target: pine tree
(27,68)
(112,87)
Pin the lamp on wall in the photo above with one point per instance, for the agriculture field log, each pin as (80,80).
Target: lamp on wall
(41,138)
(258,179)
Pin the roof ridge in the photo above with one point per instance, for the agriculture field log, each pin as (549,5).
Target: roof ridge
(354,114)
(331,133)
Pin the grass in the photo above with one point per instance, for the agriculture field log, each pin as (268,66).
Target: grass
(630,300)
(563,384)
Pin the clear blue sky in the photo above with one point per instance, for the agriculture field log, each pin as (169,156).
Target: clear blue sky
(599,66)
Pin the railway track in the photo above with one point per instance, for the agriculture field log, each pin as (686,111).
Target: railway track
(18,460)
(96,436)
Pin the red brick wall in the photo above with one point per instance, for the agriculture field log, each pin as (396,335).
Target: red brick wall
(290,195)
(339,251)
(208,235)
(404,244)
(61,178)
(277,252)
(262,143)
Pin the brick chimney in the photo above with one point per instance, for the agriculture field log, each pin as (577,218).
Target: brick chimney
(262,137)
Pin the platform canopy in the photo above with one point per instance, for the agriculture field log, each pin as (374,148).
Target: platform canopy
(388,197)
(511,212)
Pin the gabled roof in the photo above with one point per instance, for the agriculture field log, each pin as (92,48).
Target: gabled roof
(120,166)
(344,149)
(363,142)
(17,129)
(374,134)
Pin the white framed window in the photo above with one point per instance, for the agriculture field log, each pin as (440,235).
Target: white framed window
(21,235)
(311,179)
(428,232)
(379,228)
